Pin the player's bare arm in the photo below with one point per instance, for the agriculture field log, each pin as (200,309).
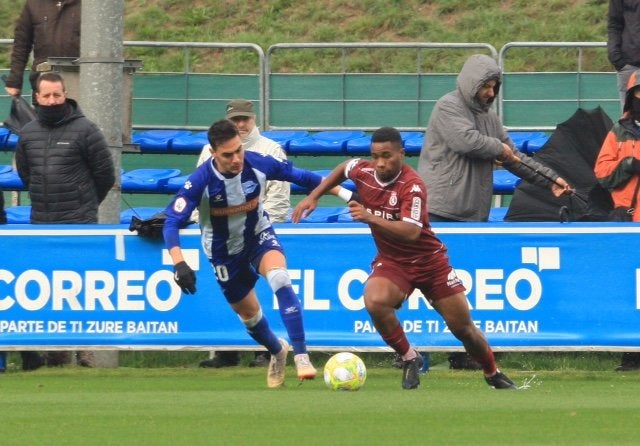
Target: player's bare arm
(329,184)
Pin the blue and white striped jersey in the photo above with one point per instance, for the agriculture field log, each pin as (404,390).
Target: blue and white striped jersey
(236,215)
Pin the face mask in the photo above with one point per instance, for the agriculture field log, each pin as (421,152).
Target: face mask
(51,115)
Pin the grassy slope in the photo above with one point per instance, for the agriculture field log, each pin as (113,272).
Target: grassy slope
(277,21)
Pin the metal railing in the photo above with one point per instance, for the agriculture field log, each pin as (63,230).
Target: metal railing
(343,100)
(545,96)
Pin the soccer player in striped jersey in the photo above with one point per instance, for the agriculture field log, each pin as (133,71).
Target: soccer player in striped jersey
(392,200)
(240,241)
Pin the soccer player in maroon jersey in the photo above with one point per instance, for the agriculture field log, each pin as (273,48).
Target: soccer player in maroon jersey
(392,200)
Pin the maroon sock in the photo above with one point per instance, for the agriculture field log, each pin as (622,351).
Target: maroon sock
(397,340)
(488,363)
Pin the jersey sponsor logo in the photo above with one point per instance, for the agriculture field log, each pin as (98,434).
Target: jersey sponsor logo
(179,204)
(234,210)
(416,188)
(416,208)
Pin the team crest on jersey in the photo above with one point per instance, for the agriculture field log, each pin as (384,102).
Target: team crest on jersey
(393,200)
(416,188)
(179,204)
(249,186)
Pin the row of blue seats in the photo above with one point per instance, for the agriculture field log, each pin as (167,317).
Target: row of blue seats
(294,142)
(169,181)
(20,214)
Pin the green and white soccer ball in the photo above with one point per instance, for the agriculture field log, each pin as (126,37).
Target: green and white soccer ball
(345,371)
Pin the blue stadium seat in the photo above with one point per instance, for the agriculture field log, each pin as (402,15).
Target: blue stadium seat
(147,180)
(329,214)
(330,142)
(348,184)
(535,144)
(359,146)
(4,136)
(174,184)
(283,137)
(413,146)
(191,143)
(521,139)
(504,182)
(157,140)
(10,180)
(141,212)
(496,214)
(18,214)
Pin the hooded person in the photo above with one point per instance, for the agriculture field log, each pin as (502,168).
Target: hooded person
(617,167)
(464,140)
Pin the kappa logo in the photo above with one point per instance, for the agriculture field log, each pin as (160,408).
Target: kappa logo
(416,188)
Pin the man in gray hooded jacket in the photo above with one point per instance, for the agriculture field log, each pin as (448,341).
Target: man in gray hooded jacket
(464,140)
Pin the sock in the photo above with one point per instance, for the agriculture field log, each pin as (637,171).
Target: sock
(488,363)
(261,332)
(398,341)
(291,315)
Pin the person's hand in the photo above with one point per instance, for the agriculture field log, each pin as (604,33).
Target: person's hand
(560,187)
(358,212)
(12,91)
(507,155)
(184,277)
(306,206)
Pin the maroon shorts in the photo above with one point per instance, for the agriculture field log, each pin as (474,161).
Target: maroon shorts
(436,280)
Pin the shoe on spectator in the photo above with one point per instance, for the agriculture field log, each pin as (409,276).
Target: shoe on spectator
(57,359)
(630,361)
(31,360)
(261,360)
(222,359)
(411,372)
(277,365)
(86,358)
(304,367)
(462,361)
(500,381)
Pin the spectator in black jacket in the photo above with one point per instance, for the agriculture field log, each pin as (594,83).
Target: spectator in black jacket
(63,159)
(623,41)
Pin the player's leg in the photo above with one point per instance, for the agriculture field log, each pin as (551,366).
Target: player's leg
(250,313)
(455,311)
(273,267)
(381,297)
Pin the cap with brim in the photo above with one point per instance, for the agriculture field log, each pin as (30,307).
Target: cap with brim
(240,107)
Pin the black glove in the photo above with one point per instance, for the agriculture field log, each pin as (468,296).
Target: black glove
(185,277)
(635,165)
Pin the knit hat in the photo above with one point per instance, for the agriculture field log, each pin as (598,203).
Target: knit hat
(240,107)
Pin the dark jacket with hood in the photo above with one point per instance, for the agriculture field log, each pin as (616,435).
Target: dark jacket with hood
(51,28)
(623,33)
(617,167)
(67,168)
(462,141)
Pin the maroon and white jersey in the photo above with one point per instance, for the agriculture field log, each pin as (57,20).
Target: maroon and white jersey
(403,198)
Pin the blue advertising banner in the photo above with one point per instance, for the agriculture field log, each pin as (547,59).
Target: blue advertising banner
(530,287)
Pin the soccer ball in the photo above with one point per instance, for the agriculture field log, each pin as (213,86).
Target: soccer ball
(345,371)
